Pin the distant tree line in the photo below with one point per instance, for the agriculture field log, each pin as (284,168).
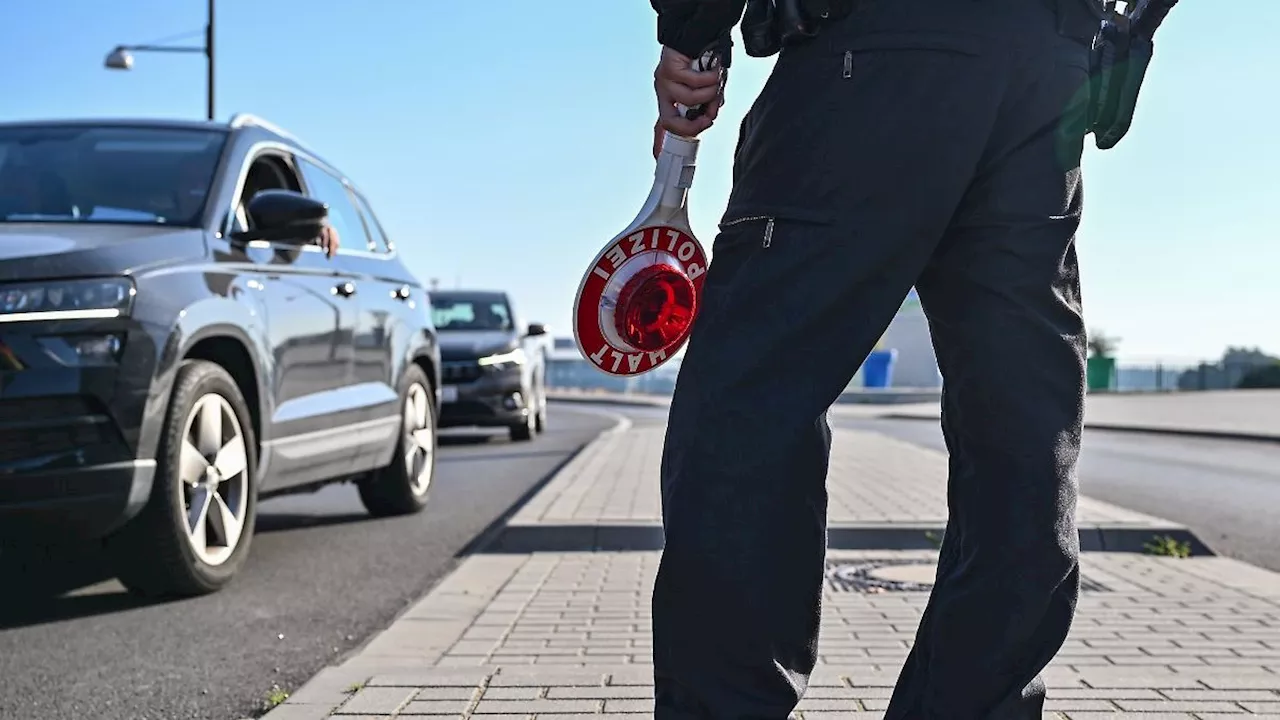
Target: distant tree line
(1239,368)
(1263,377)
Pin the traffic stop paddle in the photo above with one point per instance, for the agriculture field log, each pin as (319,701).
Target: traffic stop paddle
(637,300)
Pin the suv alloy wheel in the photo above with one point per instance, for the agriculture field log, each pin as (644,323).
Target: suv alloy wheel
(401,488)
(194,533)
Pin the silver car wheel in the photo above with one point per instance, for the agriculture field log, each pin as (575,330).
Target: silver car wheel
(419,440)
(214,473)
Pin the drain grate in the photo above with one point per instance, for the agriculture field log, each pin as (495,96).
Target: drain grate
(897,575)
(860,576)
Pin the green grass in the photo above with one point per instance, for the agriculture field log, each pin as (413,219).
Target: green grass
(275,696)
(1166,546)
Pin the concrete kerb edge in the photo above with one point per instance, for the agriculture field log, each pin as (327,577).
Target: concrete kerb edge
(887,397)
(1141,429)
(1187,432)
(518,537)
(640,537)
(494,530)
(328,688)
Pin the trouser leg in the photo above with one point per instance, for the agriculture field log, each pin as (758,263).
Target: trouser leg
(736,604)
(856,177)
(1003,300)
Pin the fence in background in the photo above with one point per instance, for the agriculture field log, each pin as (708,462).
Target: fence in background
(1189,375)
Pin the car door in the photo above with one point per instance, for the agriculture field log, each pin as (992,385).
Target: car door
(395,308)
(372,412)
(309,327)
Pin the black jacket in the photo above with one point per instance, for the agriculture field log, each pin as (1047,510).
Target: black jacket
(691,26)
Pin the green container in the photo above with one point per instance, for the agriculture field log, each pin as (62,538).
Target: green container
(1100,372)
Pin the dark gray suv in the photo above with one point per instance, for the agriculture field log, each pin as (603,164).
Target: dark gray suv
(175,346)
(493,367)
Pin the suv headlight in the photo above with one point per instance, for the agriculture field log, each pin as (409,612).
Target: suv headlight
(66,300)
(503,361)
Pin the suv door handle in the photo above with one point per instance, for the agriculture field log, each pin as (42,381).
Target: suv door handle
(346,289)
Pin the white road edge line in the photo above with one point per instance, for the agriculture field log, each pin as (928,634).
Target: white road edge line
(622,422)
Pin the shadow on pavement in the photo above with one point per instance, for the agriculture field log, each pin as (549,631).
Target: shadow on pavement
(23,612)
(51,584)
(488,457)
(468,438)
(39,584)
(280,522)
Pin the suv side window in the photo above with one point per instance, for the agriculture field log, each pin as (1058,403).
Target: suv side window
(380,242)
(343,215)
(267,171)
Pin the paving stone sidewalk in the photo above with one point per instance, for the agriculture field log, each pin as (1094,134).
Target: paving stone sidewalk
(543,635)
(566,635)
(1245,414)
(883,494)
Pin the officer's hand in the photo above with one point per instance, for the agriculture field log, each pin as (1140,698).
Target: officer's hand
(675,82)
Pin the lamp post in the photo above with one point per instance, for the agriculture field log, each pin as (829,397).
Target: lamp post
(121,58)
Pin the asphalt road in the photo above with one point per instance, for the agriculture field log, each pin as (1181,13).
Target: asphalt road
(321,578)
(1226,491)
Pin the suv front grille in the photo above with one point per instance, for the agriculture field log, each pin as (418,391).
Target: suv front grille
(460,372)
(35,410)
(37,428)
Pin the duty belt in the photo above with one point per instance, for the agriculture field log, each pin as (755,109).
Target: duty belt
(1121,52)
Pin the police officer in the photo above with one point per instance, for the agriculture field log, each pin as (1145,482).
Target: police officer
(925,143)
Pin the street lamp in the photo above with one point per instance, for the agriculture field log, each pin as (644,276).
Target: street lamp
(121,58)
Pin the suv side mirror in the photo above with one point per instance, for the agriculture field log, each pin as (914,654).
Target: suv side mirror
(536,329)
(285,216)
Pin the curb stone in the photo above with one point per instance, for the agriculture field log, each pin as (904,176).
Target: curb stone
(885,493)
(1136,429)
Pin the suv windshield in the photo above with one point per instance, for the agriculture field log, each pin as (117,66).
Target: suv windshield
(106,174)
(457,311)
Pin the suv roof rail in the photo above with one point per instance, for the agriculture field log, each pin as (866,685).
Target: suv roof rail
(240,120)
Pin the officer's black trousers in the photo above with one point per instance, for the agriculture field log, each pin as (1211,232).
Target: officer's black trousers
(933,143)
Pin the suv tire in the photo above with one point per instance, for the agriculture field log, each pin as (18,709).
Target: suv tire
(540,422)
(524,430)
(207,459)
(401,488)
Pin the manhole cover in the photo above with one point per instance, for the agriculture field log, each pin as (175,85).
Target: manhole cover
(918,574)
(875,576)
(897,575)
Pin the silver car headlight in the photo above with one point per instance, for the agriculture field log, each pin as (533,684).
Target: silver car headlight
(66,300)
(503,361)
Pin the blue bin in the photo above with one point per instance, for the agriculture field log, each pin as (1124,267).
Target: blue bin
(877,369)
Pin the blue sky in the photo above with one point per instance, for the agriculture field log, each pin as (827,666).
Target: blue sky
(502,143)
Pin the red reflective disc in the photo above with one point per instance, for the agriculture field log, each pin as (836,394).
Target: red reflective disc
(656,308)
(653,312)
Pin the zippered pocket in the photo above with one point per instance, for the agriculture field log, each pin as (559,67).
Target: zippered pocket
(768,227)
(889,41)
